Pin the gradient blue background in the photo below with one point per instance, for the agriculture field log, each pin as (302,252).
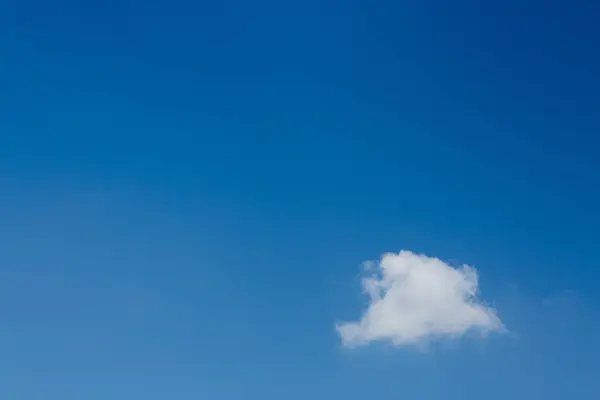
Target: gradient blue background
(188,188)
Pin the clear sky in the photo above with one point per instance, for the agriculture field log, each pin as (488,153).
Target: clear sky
(188,191)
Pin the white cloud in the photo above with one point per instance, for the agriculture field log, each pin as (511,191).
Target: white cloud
(415,298)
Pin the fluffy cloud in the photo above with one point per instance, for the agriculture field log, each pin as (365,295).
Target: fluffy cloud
(414,298)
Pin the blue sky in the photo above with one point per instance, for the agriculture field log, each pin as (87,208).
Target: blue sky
(188,190)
